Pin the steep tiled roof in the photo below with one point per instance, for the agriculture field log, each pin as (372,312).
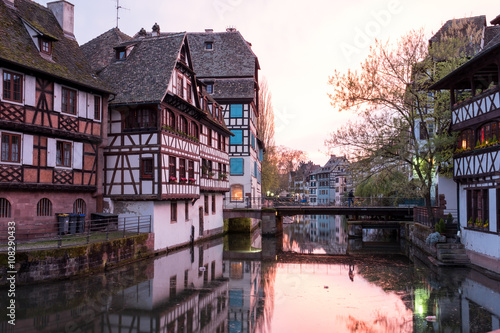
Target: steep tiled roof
(17,47)
(100,52)
(465,26)
(234,88)
(144,75)
(231,55)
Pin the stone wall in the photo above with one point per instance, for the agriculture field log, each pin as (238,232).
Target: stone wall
(50,264)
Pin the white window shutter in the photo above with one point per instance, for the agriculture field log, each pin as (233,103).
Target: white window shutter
(77,155)
(51,152)
(28,149)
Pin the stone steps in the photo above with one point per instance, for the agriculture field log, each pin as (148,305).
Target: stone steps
(452,254)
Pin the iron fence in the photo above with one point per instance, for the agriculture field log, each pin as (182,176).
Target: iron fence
(69,231)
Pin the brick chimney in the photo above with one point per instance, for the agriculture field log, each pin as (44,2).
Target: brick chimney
(65,15)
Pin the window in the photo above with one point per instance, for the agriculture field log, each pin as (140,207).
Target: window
(173,211)
(45,46)
(147,168)
(182,169)
(210,88)
(237,139)
(4,208)
(172,169)
(236,110)
(186,210)
(11,147)
(237,193)
(206,204)
(194,130)
(209,137)
(171,119)
(79,206)
(97,108)
(183,125)
(140,119)
(12,87)
(236,166)
(213,204)
(488,133)
(63,154)
(189,93)
(209,45)
(191,169)
(68,103)
(44,207)
(121,53)
(180,86)
(477,205)
(465,139)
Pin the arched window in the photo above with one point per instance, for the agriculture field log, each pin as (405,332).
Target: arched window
(237,193)
(171,119)
(488,133)
(183,125)
(465,139)
(194,130)
(79,206)
(44,207)
(4,208)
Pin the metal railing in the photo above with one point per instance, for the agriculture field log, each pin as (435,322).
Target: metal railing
(65,233)
(260,202)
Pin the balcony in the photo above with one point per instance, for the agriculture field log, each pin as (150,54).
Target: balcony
(476,106)
(477,163)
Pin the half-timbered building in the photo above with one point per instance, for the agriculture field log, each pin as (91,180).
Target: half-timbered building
(475,105)
(50,118)
(226,64)
(166,155)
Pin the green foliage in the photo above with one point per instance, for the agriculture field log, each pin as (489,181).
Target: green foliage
(440,226)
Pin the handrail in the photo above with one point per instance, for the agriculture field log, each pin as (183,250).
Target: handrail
(65,233)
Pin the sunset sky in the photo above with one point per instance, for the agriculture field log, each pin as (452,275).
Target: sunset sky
(298,43)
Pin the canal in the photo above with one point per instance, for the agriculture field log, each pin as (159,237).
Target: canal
(312,279)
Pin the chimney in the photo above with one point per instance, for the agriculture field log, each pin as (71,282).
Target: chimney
(65,15)
(209,30)
(156,30)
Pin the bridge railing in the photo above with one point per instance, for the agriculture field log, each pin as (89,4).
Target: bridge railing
(260,202)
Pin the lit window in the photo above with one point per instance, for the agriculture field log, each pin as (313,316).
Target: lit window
(237,193)
(11,147)
(12,87)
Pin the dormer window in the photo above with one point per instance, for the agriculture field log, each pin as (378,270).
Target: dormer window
(209,46)
(121,53)
(45,46)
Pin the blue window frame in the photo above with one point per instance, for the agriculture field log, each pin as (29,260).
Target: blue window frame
(236,166)
(237,139)
(236,110)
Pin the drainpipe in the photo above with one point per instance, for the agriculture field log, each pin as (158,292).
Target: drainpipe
(458,213)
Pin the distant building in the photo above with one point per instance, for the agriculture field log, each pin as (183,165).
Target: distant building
(476,159)
(227,66)
(166,155)
(328,184)
(52,111)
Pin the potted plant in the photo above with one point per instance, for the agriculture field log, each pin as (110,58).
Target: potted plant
(470,223)
(440,226)
(478,224)
(172,179)
(183,180)
(222,176)
(449,219)
(486,226)
(211,174)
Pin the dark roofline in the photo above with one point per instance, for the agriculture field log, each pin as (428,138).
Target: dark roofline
(23,68)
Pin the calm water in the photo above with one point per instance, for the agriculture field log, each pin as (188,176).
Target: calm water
(244,284)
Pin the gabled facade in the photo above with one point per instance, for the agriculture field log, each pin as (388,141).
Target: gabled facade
(475,105)
(167,150)
(328,184)
(225,63)
(51,118)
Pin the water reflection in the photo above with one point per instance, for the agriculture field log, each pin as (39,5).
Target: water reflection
(244,284)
